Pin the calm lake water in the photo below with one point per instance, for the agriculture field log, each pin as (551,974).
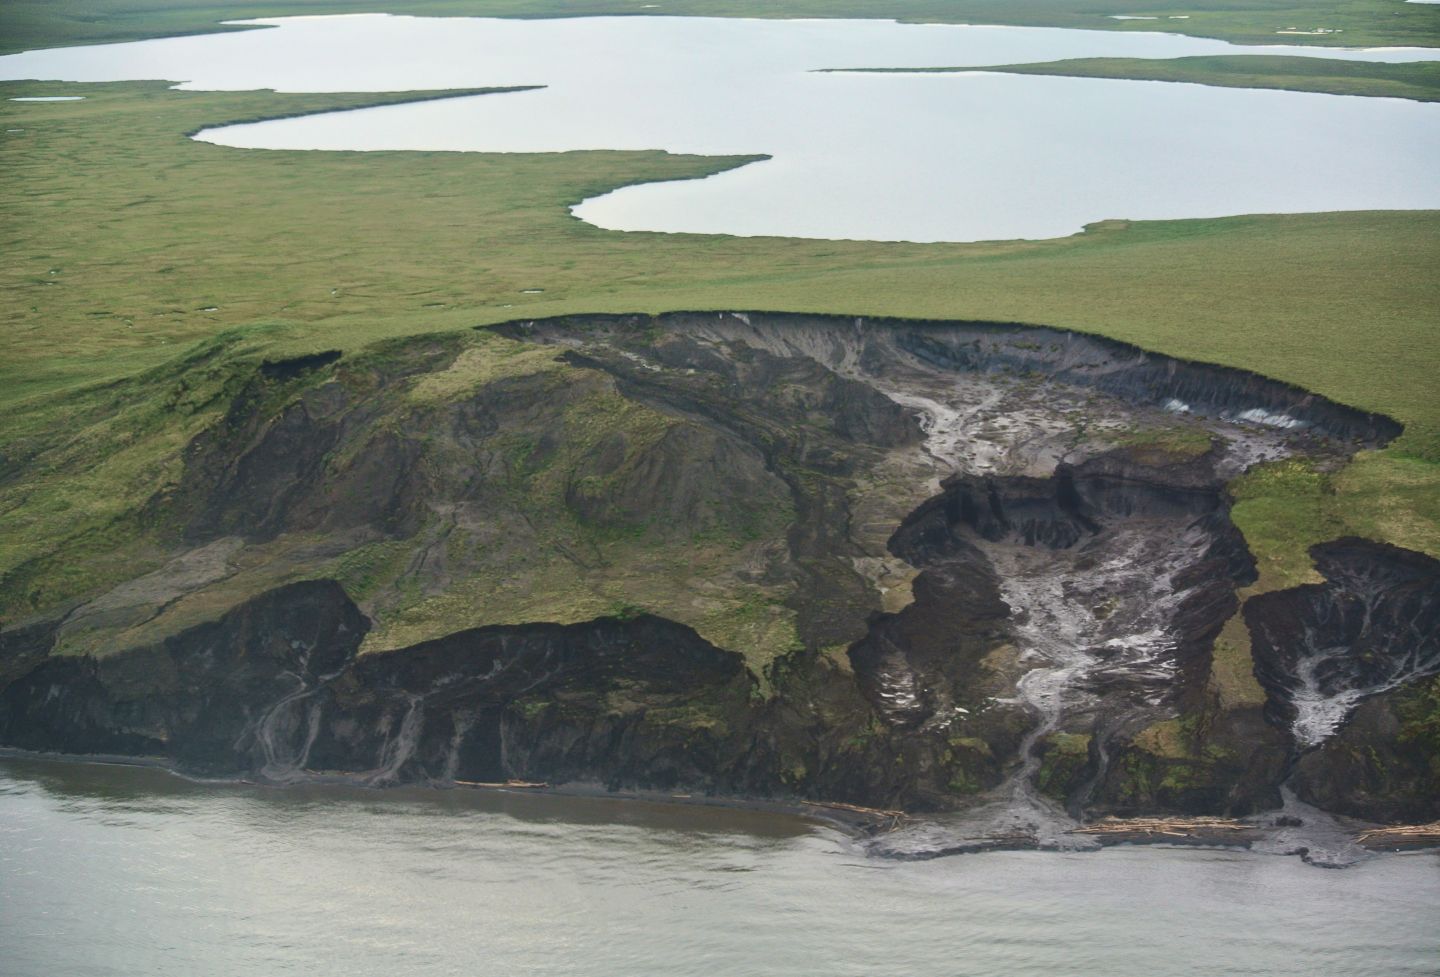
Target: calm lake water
(920,157)
(114,870)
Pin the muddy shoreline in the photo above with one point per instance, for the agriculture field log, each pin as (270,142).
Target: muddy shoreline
(856,822)
(861,825)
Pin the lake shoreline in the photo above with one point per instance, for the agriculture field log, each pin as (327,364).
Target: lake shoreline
(859,824)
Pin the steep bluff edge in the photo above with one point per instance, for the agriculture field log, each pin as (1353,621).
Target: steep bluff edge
(944,566)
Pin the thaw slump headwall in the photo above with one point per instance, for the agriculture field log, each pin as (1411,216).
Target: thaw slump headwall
(1124,370)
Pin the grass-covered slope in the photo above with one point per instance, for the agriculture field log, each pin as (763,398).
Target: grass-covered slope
(446,481)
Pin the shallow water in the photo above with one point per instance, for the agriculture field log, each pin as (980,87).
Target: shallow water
(115,870)
(920,157)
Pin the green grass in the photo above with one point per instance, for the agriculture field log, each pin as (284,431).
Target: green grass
(1283,508)
(1418,81)
(27,24)
(1286,507)
(1167,444)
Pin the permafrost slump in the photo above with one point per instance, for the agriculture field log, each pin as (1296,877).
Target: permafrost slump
(1021,588)
(1116,587)
(1372,627)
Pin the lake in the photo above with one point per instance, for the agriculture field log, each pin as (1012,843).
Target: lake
(110,870)
(917,157)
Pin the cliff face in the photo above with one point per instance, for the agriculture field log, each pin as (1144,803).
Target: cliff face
(940,566)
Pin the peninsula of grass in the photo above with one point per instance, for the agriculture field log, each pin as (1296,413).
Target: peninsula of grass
(1419,81)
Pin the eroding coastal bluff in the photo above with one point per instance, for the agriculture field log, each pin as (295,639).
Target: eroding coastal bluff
(937,566)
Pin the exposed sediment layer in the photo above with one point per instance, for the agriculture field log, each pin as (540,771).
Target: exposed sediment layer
(939,566)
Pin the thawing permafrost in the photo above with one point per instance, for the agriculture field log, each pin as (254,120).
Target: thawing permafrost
(1386,646)
(1258,415)
(1254,415)
(1078,629)
(1323,699)
(276,731)
(1319,715)
(944,426)
(1052,633)
(972,424)
(899,690)
(401,747)
(1064,624)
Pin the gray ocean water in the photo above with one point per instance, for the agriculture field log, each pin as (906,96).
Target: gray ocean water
(120,870)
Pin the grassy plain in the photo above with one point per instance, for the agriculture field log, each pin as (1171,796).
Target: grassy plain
(1417,81)
(124,240)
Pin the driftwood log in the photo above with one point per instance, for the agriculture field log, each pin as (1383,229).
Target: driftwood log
(1402,836)
(1202,830)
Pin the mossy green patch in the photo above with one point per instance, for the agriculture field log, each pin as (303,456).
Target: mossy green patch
(1144,779)
(1065,758)
(1418,709)
(1072,743)
(695,717)
(1160,445)
(364,570)
(1232,668)
(1283,508)
(1391,497)
(485,359)
(1419,81)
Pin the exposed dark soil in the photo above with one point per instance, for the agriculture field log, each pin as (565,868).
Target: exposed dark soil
(995,590)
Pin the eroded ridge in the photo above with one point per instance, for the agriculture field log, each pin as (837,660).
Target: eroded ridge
(939,566)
